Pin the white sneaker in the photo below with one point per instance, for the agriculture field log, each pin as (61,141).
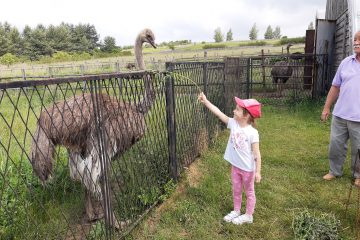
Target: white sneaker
(245,218)
(232,215)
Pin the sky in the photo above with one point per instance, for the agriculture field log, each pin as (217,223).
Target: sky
(170,20)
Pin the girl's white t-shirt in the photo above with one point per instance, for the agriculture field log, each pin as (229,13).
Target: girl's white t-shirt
(238,150)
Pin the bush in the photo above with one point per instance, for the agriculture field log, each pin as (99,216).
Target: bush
(311,227)
(286,40)
(208,46)
(8,59)
(253,43)
(124,53)
(171,46)
(62,56)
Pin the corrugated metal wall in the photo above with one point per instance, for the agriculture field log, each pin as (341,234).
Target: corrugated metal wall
(338,10)
(342,39)
(335,8)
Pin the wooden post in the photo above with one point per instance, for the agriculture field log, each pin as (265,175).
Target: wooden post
(117,67)
(309,59)
(248,79)
(263,67)
(50,72)
(82,69)
(23,74)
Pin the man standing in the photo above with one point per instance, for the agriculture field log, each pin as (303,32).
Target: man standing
(345,122)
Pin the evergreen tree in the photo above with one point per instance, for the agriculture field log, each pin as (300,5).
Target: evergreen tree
(229,35)
(109,44)
(253,32)
(59,38)
(277,33)
(218,36)
(15,42)
(269,33)
(311,26)
(42,41)
(34,42)
(4,42)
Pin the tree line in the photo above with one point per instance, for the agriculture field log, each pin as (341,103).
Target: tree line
(270,33)
(34,43)
(253,34)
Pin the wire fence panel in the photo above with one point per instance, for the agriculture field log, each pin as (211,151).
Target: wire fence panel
(87,157)
(100,131)
(236,80)
(194,125)
(284,78)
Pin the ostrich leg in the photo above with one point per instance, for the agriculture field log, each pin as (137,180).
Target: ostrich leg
(93,207)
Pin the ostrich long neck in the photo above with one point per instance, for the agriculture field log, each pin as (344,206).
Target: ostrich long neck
(145,104)
(288,55)
(139,54)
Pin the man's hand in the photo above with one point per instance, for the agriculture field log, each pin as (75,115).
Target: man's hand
(325,114)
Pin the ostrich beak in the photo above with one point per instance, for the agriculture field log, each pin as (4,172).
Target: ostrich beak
(152,43)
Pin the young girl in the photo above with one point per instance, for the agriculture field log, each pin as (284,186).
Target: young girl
(242,152)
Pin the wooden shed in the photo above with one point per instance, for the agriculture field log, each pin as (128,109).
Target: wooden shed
(334,34)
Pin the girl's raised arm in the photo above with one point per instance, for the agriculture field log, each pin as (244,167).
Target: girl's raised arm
(215,110)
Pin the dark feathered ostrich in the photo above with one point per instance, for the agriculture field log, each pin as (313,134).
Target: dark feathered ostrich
(130,66)
(282,71)
(71,123)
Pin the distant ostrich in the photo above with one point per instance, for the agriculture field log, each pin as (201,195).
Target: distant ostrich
(282,71)
(130,66)
(71,123)
(297,56)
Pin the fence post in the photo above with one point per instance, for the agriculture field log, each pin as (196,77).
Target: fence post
(225,107)
(263,66)
(205,77)
(248,77)
(50,72)
(82,69)
(117,66)
(23,74)
(95,87)
(205,83)
(171,124)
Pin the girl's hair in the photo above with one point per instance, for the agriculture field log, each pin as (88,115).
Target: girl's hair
(251,119)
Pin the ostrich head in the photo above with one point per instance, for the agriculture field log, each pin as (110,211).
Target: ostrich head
(145,35)
(148,36)
(42,153)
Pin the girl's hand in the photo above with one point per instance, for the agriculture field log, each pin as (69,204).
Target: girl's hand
(257,177)
(202,98)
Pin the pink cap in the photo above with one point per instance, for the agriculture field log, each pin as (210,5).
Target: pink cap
(252,105)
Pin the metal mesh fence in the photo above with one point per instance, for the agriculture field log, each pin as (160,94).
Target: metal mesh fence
(284,78)
(194,125)
(77,126)
(87,157)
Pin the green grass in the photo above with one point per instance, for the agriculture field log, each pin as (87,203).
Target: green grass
(294,154)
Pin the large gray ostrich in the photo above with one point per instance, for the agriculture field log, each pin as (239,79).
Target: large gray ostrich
(72,123)
(282,71)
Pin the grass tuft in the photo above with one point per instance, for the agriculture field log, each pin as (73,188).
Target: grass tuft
(310,226)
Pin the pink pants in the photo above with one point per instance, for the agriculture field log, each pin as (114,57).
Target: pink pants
(239,179)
